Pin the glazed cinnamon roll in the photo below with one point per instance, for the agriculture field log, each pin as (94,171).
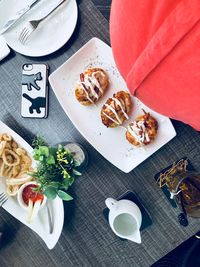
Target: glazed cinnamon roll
(116,109)
(142,131)
(92,85)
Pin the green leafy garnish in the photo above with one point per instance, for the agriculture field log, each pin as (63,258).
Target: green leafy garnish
(38,141)
(56,169)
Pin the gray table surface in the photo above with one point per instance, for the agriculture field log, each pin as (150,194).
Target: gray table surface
(86,239)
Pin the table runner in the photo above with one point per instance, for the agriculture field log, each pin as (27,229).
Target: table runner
(86,239)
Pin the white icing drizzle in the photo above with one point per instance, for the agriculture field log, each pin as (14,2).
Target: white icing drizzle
(114,112)
(91,90)
(121,107)
(86,92)
(89,84)
(138,131)
(118,120)
(110,118)
(95,81)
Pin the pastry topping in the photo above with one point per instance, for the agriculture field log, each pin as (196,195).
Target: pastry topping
(139,131)
(115,113)
(122,107)
(110,118)
(142,131)
(116,109)
(91,86)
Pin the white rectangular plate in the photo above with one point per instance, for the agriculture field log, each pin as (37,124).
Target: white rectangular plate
(40,224)
(111,143)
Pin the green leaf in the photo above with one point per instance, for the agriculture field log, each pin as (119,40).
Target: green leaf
(64,196)
(60,147)
(44,150)
(36,157)
(71,181)
(50,159)
(52,151)
(65,184)
(75,172)
(76,163)
(36,154)
(54,184)
(38,141)
(41,158)
(50,192)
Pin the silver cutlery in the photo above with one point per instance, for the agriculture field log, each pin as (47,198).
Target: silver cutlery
(33,24)
(50,220)
(3,199)
(17,16)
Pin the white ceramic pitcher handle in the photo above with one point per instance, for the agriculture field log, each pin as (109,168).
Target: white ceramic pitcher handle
(110,202)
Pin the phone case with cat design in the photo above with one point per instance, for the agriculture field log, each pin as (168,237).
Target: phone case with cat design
(34,91)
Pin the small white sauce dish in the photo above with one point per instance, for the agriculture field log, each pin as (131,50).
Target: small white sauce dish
(20,198)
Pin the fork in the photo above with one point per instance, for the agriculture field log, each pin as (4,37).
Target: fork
(33,24)
(3,198)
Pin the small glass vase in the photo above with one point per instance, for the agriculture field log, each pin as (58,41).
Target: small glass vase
(79,153)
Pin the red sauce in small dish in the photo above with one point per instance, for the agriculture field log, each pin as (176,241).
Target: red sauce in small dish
(29,193)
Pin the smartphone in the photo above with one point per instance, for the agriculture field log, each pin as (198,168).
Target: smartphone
(34,103)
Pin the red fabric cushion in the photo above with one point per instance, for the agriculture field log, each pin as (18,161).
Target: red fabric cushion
(156,46)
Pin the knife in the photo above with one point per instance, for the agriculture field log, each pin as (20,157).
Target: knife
(18,15)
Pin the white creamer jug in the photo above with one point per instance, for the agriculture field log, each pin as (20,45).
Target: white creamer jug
(125,219)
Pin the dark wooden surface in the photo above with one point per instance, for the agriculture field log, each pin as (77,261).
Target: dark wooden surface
(86,239)
(104,7)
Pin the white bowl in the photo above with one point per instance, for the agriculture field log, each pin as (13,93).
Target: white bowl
(20,198)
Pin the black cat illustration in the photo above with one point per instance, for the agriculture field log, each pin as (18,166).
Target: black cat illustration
(36,103)
(31,80)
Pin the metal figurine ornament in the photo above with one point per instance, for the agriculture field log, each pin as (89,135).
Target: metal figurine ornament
(184,187)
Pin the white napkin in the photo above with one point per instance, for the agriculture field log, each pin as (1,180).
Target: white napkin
(4,49)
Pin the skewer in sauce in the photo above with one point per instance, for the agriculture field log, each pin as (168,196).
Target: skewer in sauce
(30,193)
(33,199)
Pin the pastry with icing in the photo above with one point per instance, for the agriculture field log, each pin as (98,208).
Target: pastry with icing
(116,109)
(142,131)
(92,85)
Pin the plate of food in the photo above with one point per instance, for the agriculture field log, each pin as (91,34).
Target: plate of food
(63,19)
(95,97)
(16,163)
